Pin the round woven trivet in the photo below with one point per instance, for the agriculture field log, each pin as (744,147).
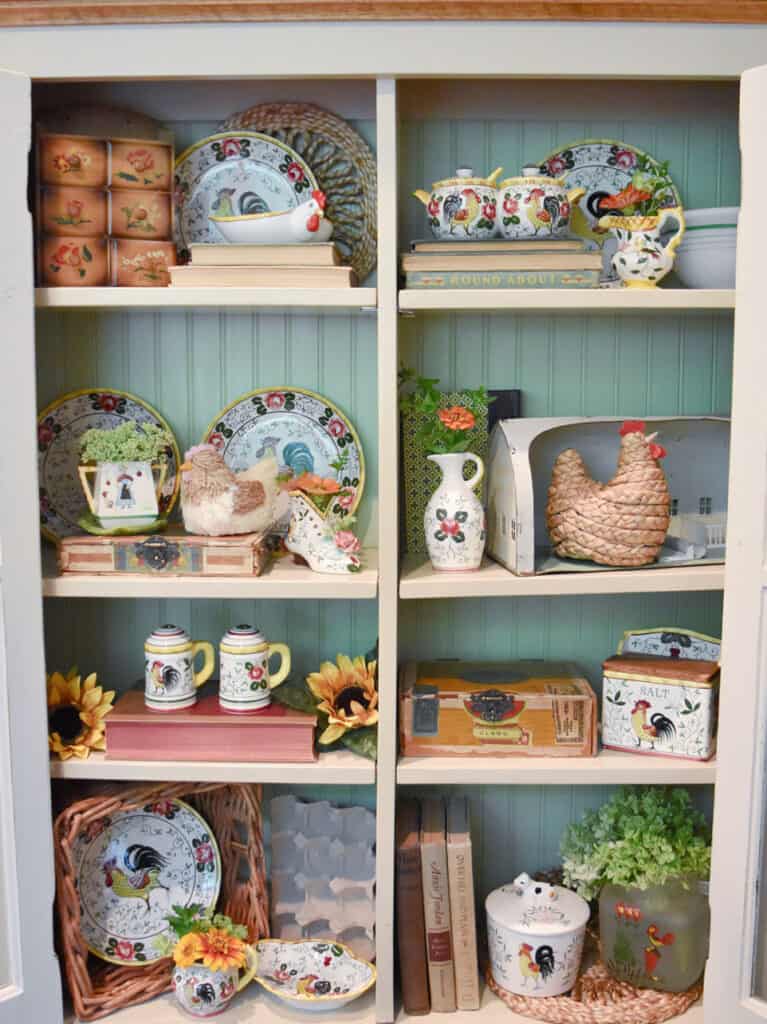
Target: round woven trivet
(599,999)
(342,162)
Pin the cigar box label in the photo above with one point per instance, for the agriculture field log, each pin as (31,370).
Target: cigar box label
(512,735)
(569,722)
(425,711)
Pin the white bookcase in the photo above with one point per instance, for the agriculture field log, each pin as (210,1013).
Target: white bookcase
(428,96)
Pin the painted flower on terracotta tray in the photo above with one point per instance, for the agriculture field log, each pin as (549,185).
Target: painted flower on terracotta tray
(220,950)
(140,217)
(347,695)
(140,159)
(76,712)
(149,266)
(274,400)
(74,161)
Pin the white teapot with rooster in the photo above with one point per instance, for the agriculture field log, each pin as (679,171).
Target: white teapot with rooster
(462,208)
(535,206)
(304,223)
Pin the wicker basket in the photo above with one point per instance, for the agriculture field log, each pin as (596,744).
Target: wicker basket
(234,815)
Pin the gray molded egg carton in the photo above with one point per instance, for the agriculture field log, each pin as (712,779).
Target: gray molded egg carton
(323,873)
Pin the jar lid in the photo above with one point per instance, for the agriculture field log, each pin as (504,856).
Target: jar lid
(466,176)
(537,907)
(168,636)
(243,636)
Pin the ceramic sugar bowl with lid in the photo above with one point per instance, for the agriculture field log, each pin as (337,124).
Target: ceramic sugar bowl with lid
(462,208)
(535,206)
(246,682)
(535,934)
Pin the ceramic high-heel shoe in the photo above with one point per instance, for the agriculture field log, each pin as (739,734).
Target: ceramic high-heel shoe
(311,537)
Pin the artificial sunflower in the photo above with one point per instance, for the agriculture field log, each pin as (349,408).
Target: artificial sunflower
(347,695)
(220,950)
(76,713)
(187,950)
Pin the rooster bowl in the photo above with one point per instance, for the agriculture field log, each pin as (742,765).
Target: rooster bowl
(463,208)
(535,206)
(304,223)
(317,977)
(535,934)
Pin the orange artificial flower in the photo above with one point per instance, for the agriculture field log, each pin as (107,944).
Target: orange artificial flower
(187,950)
(630,196)
(313,484)
(220,950)
(457,417)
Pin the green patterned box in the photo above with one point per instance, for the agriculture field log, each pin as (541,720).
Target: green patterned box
(420,477)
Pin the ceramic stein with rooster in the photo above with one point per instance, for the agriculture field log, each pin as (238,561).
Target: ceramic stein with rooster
(246,682)
(171,681)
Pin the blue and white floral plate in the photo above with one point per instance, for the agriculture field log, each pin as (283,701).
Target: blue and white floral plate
(313,976)
(307,432)
(132,867)
(231,173)
(59,429)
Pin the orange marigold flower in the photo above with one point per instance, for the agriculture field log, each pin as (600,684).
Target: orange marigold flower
(313,484)
(630,196)
(187,950)
(457,417)
(220,950)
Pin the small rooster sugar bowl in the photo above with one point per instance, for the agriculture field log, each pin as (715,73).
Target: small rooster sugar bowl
(535,934)
(462,208)
(535,206)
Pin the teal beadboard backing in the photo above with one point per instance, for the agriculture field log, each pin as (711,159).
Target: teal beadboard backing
(108,636)
(190,364)
(581,365)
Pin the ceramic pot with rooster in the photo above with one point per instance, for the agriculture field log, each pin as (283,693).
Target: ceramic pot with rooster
(170,679)
(203,992)
(454,519)
(646,245)
(535,934)
(535,206)
(655,937)
(462,208)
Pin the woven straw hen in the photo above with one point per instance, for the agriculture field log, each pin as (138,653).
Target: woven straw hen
(620,523)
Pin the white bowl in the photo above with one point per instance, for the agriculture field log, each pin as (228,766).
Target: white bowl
(712,217)
(706,255)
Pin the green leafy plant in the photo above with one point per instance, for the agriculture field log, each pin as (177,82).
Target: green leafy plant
(441,431)
(130,442)
(185,920)
(641,837)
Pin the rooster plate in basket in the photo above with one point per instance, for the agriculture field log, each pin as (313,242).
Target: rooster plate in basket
(660,694)
(594,458)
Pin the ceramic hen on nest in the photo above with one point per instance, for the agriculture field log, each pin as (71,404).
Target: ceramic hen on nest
(217,502)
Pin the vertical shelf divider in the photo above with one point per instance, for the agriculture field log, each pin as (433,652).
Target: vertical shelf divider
(388,477)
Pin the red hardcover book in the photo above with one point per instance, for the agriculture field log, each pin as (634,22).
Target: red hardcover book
(206,733)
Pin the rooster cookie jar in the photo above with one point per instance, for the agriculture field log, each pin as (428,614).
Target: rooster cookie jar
(535,206)
(462,208)
(535,934)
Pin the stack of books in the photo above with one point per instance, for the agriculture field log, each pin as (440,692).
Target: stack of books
(293,265)
(436,923)
(498,263)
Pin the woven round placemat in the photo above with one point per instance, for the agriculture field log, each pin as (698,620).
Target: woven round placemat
(342,162)
(599,999)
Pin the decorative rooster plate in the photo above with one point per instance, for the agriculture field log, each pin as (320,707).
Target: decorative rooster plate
(132,867)
(307,432)
(234,173)
(59,428)
(604,167)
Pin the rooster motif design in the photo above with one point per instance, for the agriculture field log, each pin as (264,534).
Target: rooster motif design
(542,210)
(164,677)
(139,875)
(659,729)
(537,963)
(652,953)
(462,210)
(621,523)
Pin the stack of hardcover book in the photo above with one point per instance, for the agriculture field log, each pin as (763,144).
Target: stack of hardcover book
(436,924)
(498,263)
(292,265)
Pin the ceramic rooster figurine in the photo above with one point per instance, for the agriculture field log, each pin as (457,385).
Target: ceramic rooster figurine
(218,502)
(622,522)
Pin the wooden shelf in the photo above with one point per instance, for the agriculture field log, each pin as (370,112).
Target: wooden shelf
(419,580)
(614,300)
(284,579)
(609,768)
(336,768)
(217,298)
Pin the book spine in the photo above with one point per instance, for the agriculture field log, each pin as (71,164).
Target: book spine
(464,924)
(411,932)
(502,279)
(436,901)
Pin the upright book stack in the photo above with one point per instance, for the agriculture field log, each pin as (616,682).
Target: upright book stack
(436,925)
(498,263)
(292,265)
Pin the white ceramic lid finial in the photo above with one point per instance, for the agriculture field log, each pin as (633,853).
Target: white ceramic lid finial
(465,172)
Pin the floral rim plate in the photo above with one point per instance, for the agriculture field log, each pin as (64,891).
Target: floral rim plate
(310,975)
(233,173)
(308,433)
(59,426)
(132,867)
(603,167)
